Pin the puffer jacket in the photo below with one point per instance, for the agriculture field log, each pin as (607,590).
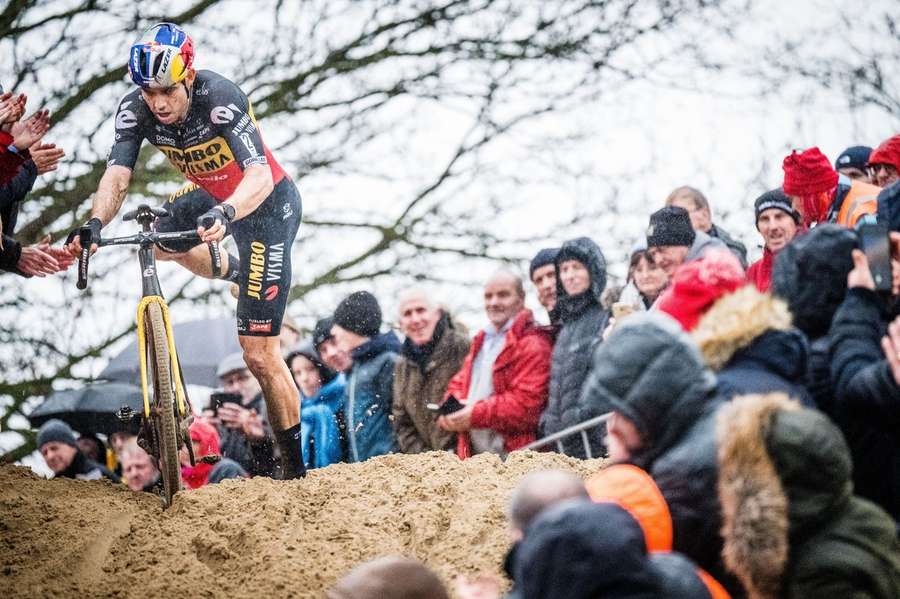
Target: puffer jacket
(650,371)
(747,339)
(583,321)
(867,399)
(792,527)
(368,397)
(521,376)
(320,435)
(415,426)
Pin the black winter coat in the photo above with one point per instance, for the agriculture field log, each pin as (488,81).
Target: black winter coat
(583,321)
(776,361)
(652,373)
(867,399)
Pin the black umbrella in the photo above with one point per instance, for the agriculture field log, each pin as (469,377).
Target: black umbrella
(201,345)
(91,409)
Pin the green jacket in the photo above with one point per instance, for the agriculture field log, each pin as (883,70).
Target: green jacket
(792,527)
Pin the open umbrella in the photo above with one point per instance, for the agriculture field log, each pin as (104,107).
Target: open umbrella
(201,345)
(91,409)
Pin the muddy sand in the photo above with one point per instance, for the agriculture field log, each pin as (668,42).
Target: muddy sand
(259,537)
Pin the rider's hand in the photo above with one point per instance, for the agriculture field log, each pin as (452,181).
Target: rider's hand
(73,241)
(219,227)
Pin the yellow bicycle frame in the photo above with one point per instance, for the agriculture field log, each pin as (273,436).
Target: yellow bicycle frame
(173,357)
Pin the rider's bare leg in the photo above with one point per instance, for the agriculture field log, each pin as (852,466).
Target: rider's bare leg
(263,358)
(197,260)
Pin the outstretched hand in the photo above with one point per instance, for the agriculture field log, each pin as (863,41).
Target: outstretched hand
(29,132)
(860,276)
(41,259)
(46,157)
(11,109)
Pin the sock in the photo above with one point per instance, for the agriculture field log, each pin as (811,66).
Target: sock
(291,454)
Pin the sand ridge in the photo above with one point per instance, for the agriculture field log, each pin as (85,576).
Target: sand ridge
(65,538)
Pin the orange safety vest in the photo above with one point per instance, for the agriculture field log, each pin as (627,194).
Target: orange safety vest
(862,199)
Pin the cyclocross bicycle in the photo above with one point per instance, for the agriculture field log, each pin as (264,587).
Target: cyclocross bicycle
(164,420)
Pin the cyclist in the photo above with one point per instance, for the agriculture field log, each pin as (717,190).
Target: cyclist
(205,126)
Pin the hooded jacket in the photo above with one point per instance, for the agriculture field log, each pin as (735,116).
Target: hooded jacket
(652,373)
(867,398)
(736,247)
(702,244)
(584,550)
(521,376)
(793,528)
(415,426)
(368,397)
(207,439)
(583,321)
(746,338)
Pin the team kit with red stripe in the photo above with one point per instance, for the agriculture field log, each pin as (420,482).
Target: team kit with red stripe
(217,140)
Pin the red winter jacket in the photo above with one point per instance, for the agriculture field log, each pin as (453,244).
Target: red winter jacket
(9,161)
(760,272)
(521,385)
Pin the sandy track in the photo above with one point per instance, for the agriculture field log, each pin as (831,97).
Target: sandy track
(245,538)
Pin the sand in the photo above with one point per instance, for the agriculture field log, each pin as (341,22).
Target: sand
(259,537)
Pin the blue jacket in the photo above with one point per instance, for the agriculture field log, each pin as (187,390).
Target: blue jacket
(368,398)
(318,416)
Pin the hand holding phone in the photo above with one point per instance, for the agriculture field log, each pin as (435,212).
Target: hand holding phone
(875,244)
(448,407)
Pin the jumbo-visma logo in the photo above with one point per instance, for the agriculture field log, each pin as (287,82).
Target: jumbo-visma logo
(203,158)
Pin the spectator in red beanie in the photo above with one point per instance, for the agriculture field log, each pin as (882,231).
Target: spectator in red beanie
(205,441)
(884,162)
(698,284)
(820,194)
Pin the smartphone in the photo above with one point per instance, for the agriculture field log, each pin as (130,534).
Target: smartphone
(622,309)
(218,398)
(876,245)
(448,407)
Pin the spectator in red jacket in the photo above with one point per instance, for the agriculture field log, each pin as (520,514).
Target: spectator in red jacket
(778,223)
(505,377)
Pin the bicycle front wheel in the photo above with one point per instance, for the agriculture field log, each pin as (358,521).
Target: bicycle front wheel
(164,404)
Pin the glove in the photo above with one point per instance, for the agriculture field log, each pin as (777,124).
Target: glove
(213,215)
(94,225)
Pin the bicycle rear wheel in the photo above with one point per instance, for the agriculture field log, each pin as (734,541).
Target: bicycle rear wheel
(164,404)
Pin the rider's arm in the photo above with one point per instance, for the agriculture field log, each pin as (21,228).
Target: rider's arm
(110,193)
(252,190)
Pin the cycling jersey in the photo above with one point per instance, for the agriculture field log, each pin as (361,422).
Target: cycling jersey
(217,140)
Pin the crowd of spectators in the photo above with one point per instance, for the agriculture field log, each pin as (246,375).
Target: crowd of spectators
(760,404)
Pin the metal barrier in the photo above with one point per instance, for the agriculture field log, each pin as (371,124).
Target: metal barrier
(568,432)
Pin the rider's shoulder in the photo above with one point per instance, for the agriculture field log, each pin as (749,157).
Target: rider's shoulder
(216,89)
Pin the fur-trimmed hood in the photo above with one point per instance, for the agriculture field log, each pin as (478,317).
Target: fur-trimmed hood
(783,472)
(737,319)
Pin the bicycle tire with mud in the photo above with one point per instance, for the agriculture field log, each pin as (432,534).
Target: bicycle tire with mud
(164,404)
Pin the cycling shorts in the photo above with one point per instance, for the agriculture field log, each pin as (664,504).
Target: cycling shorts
(264,240)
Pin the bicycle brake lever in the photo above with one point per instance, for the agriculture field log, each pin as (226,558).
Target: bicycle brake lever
(85,237)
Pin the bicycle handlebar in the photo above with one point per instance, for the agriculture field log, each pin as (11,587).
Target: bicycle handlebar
(84,236)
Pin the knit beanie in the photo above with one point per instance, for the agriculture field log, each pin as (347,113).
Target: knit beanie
(854,157)
(808,173)
(545,257)
(887,153)
(670,226)
(359,313)
(322,332)
(56,430)
(775,198)
(697,285)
